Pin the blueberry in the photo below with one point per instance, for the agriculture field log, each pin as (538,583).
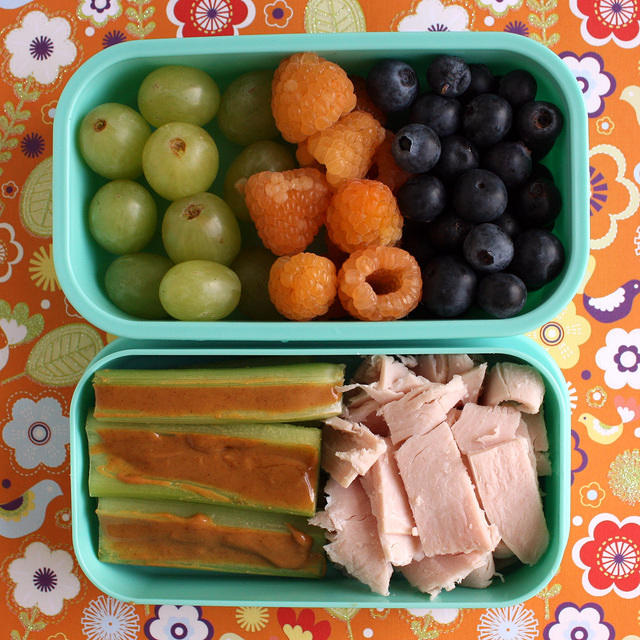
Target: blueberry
(457,154)
(416,148)
(501,295)
(518,87)
(511,161)
(447,233)
(538,124)
(538,257)
(508,223)
(443,115)
(487,248)
(487,119)
(482,81)
(479,196)
(448,286)
(449,76)
(538,203)
(421,198)
(415,241)
(392,85)
(540,171)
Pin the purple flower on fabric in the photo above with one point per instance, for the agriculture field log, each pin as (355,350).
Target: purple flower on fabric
(579,459)
(518,27)
(113,37)
(32,145)
(598,188)
(627,358)
(41,47)
(579,623)
(178,623)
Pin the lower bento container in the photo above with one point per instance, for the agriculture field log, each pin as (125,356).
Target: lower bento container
(115,74)
(173,586)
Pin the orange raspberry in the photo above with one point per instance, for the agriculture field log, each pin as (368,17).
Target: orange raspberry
(363,213)
(308,95)
(287,207)
(384,167)
(364,102)
(380,283)
(304,158)
(303,286)
(347,147)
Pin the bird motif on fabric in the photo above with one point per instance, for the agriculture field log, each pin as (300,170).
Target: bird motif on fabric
(615,305)
(25,514)
(604,433)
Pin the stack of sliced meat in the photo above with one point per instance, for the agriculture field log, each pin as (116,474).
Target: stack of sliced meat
(434,469)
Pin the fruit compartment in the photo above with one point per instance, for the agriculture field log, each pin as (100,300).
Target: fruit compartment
(116,73)
(157,585)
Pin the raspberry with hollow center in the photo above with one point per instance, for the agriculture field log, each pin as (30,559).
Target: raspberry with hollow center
(380,283)
(308,95)
(287,207)
(363,213)
(347,147)
(384,167)
(304,286)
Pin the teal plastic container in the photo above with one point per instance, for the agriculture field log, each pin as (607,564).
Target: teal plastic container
(115,75)
(157,585)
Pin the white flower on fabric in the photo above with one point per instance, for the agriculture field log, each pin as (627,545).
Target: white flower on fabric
(40,47)
(508,623)
(595,83)
(99,11)
(432,15)
(10,333)
(500,7)
(37,432)
(586,623)
(108,619)
(620,359)
(178,623)
(11,251)
(44,578)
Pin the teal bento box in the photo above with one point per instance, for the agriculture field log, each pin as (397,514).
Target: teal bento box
(157,585)
(116,73)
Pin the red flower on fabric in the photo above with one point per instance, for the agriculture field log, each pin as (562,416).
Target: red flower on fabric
(297,628)
(605,20)
(610,556)
(210,17)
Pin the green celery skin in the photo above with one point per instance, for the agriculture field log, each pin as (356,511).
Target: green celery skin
(224,516)
(103,485)
(295,375)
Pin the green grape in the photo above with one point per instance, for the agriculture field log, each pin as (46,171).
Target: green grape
(245,109)
(201,227)
(199,290)
(133,282)
(252,266)
(180,159)
(259,156)
(178,94)
(122,216)
(111,139)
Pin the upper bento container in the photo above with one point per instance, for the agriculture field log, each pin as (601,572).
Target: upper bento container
(178,586)
(115,75)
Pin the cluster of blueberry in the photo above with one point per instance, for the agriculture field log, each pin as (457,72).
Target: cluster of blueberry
(480,208)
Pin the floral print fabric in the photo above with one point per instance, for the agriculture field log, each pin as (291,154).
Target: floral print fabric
(595,340)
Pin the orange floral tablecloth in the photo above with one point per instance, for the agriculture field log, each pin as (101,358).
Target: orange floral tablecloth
(45,344)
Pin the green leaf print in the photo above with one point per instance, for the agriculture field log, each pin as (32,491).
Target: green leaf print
(36,210)
(60,356)
(20,315)
(334,16)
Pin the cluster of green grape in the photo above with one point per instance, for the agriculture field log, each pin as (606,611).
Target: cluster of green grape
(204,275)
